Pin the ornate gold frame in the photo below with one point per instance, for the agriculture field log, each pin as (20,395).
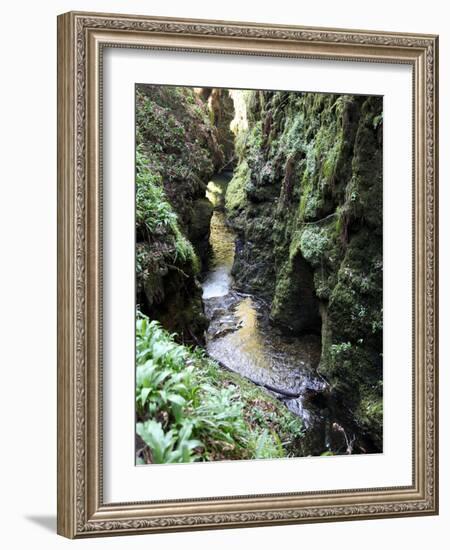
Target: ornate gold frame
(81,37)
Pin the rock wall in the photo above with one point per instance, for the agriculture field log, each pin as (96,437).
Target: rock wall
(221,110)
(178,150)
(306,201)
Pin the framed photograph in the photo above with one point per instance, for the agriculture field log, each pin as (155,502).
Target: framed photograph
(247,276)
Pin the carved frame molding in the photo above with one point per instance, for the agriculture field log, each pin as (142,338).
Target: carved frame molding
(81,39)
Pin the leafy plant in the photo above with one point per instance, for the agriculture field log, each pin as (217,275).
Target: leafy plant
(152,209)
(155,215)
(188,409)
(170,446)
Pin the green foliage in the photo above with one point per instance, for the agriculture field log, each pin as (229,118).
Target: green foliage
(156,215)
(338,349)
(173,125)
(188,409)
(369,413)
(152,208)
(314,242)
(266,445)
(184,251)
(292,139)
(170,446)
(254,137)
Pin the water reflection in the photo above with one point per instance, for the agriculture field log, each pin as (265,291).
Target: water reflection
(218,280)
(241,336)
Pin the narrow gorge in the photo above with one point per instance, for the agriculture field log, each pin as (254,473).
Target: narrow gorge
(259,273)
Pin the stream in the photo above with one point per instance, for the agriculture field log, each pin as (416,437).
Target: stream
(242,339)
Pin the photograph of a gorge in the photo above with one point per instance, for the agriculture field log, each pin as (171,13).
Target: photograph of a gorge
(259,274)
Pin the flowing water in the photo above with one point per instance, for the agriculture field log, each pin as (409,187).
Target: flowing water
(241,337)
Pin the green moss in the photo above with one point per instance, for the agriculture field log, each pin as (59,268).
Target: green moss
(178,140)
(235,198)
(255,137)
(369,414)
(309,203)
(329,166)
(314,242)
(177,152)
(322,225)
(324,282)
(295,306)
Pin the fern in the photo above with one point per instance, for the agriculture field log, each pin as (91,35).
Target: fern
(185,413)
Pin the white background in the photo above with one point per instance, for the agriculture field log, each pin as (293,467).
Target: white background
(28,275)
(123,482)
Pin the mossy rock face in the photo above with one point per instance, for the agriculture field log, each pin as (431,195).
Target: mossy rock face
(221,110)
(169,293)
(295,306)
(181,311)
(306,202)
(235,193)
(199,226)
(178,150)
(175,133)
